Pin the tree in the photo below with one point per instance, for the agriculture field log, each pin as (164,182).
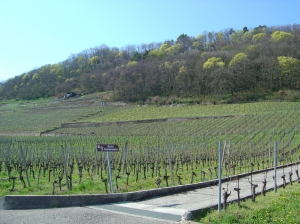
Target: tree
(137,56)
(247,36)
(213,63)
(280,35)
(196,45)
(186,83)
(173,50)
(131,63)
(200,42)
(287,63)
(257,37)
(57,69)
(185,42)
(240,73)
(238,58)
(36,76)
(25,78)
(236,37)
(155,54)
(288,66)
(94,60)
(219,82)
(163,47)
(260,29)
(166,76)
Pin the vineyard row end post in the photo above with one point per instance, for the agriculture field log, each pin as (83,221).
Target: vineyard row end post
(220,176)
(275,166)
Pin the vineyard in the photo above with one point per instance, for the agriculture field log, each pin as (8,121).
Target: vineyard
(159,146)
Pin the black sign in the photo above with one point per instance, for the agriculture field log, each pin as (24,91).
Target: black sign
(107,148)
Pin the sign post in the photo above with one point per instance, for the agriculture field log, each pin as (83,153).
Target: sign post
(108,148)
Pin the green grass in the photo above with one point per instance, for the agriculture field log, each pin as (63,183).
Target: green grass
(280,207)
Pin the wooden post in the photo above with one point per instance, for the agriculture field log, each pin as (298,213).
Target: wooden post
(24,165)
(220,175)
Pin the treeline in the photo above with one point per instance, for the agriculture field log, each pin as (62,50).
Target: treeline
(214,64)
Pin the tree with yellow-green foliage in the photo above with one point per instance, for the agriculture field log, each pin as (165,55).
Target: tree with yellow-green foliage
(163,47)
(213,63)
(289,71)
(36,76)
(57,69)
(280,35)
(94,60)
(156,54)
(174,49)
(131,63)
(287,63)
(257,37)
(247,36)
(196,45)
(200,42)
(240,57)
(25,78)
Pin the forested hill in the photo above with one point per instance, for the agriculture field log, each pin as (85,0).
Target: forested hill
(244,63)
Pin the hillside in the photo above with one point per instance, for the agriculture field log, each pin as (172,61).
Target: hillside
(255,123)
(227,66)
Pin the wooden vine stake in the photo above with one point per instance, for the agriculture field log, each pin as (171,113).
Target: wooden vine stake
(291,173)
(263,191)
(238,189)
(220,176)
(65,164)
(275,167)
(171,166)
(24,165)
(124,159)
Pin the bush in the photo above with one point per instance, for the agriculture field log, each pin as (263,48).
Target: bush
(248,97)
(158,100)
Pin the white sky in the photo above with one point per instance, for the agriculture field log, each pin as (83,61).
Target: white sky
(34,33)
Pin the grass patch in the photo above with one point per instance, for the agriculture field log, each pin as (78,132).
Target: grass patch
(280,207)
